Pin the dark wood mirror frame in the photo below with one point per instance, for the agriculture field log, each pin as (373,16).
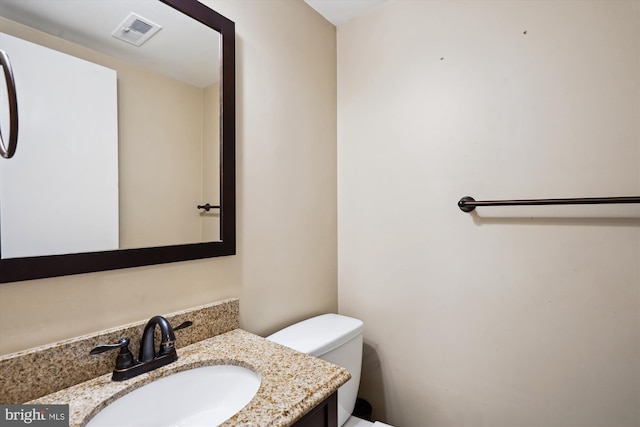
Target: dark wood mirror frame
(17,269)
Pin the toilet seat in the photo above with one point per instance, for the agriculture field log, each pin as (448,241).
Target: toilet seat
(359,422)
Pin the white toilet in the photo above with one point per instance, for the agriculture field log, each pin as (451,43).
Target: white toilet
(336,339)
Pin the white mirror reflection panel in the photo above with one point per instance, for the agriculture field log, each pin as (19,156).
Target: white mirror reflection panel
(59,196)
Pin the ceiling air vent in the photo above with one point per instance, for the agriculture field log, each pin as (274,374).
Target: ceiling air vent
(135,29)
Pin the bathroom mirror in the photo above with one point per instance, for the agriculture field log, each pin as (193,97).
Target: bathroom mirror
(157,219)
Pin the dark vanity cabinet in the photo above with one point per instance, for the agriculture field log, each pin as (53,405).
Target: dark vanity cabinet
(323,415)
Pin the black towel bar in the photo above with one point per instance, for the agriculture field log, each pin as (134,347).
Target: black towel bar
(468,204)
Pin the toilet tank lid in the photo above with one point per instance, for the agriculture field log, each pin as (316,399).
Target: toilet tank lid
(320,334)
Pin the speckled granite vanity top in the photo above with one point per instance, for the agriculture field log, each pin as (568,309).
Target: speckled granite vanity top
(292,383)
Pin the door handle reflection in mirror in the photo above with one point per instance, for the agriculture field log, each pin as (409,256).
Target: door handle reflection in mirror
(7,151)
(208,207)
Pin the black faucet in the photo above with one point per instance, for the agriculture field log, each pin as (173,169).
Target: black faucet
(127,367)
(147,347)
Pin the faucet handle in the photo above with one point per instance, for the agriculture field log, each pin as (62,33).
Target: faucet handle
(124,359)
(122,344)
(183,325)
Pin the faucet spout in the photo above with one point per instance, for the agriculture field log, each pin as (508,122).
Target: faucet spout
(147,345)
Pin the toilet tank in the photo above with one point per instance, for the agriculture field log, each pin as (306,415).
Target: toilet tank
(336,339)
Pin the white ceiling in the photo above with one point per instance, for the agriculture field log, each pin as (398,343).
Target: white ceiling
(340,11)
(183,49)
(90,22)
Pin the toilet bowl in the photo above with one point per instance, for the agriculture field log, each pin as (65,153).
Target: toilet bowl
(336,339)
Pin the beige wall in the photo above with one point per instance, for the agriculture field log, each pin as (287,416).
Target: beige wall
(511,316)
(286,267)
(210,221)
(160,123)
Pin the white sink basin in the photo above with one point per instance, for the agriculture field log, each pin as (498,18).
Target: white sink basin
(204,396)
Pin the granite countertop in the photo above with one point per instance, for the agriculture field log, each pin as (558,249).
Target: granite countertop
(292,383)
